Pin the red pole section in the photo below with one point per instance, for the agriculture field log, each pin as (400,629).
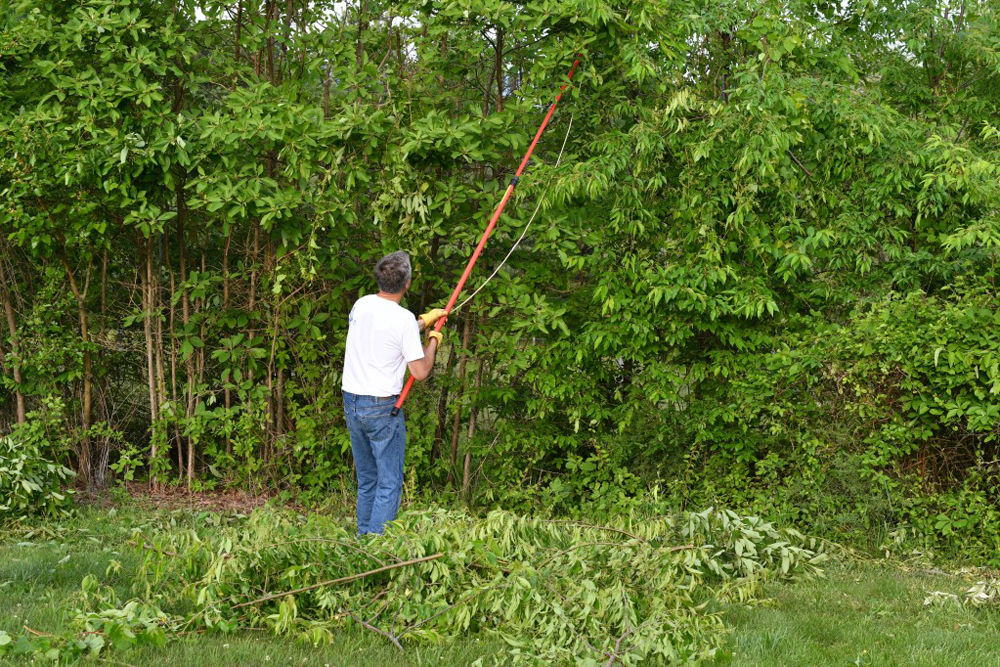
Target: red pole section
(489,228)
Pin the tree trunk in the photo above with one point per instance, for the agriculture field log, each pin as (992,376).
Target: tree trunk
(499,69)
(442,411)
(83,464)
(271,12)
(453,459)
(362,9)
(186,320)
(272,429)
(473,413)
(196,381)
(147,308)
(225,309)
(239,28)
(8,307)
(161,376)
(101,469)
(171,319)
(285,60)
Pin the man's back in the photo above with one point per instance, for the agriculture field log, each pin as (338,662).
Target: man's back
(382,337)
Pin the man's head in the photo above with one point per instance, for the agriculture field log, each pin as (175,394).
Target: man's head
(392,272)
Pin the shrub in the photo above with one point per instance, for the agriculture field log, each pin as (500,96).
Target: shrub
(32,483)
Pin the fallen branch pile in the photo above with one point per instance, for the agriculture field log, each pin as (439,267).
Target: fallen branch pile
(555,591)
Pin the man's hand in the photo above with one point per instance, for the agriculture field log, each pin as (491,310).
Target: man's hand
(436,335)
(430,318)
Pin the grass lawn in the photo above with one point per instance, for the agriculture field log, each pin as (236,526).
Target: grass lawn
(860,614)
(863,614)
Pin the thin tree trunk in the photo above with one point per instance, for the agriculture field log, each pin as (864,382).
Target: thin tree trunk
(499,69)
(453,459)
(197,380)
(171,319)
(443,52)
(147,307)
(239,28)
(442,411)
(83,465)
(225,309)
(101,469)
(326,93)
(473,413)
(161,376)
(104,289)
(253,265)
(271,362)
(362,10)
(399,52)
(8,307)
(271,12)
(280,399)
(186,320)
(286,61)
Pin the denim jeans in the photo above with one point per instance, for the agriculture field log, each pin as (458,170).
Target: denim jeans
(378,441)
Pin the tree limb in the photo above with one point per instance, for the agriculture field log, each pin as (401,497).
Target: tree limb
(341,580)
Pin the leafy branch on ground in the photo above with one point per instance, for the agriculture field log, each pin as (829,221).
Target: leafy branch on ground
(630,590)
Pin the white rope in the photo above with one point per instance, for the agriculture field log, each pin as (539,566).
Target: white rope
(541,200)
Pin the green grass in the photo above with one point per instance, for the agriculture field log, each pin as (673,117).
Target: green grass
(860,614)
(863,614)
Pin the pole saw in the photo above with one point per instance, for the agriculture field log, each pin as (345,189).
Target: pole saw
(489,228)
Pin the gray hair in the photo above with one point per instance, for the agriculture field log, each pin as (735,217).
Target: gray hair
(392,272)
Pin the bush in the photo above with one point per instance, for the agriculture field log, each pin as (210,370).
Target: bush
(31,483)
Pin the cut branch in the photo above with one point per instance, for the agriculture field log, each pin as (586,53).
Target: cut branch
(342,580)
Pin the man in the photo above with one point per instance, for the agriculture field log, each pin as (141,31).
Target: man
(383,339)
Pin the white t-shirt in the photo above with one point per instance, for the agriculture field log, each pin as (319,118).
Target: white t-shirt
(381,338)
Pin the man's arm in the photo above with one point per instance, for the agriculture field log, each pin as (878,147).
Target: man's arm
(421,368)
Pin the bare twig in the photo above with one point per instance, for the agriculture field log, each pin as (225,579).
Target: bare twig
(341,580)
(369,626)
(801,166)
(36,632)
(616,653)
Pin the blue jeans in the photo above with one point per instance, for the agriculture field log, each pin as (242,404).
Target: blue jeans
(378,441)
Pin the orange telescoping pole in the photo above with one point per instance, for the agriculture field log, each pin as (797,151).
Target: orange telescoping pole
(489,228)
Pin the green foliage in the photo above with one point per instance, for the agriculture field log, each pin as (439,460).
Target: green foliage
(634,589)
(95,632)
(761,274)
(32,482)
(827,619)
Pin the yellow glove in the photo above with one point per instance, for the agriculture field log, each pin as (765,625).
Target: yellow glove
(436,335)
(431,317)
